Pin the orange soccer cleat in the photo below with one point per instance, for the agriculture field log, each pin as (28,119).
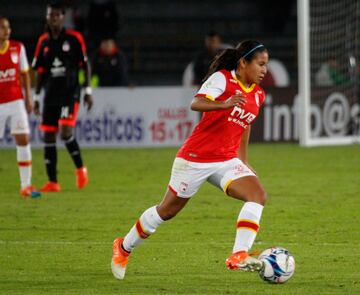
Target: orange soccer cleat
(51,187)
(243,261)
(81,177)
(29,191)
(119,259)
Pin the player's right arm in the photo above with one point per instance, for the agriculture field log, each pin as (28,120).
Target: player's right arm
(206,98)
(202,104)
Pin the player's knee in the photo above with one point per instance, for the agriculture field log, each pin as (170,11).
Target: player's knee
(22,139)
(167,213)
(258,196)
(65,136)
(49,137)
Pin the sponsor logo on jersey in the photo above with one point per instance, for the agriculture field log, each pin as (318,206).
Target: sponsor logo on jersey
(8,75)
(241,117)
(57,69)
(57,62)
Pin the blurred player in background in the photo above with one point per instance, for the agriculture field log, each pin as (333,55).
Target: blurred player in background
(109,65)
(59,55)
(14,76)
(212,46)
(216,151)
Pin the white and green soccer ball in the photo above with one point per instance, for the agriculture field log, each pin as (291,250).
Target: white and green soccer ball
(278,265)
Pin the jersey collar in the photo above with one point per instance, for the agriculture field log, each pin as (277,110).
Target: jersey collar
(7,43)
(243,87)
(62,32)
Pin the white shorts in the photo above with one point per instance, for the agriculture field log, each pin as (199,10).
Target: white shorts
(187,177)
(15,111)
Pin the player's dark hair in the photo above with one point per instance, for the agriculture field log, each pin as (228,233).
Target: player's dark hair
(3,17)
(57,4)
(229,58)
(212,34)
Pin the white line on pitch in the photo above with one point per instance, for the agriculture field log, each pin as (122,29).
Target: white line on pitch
(182,242)
(56,242)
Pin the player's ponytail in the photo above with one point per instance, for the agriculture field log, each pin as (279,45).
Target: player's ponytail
(226,60)
(229,58)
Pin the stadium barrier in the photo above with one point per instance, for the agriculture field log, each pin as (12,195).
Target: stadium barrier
(160,117)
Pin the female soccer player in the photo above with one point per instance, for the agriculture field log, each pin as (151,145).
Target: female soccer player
(216,152)
(14,76)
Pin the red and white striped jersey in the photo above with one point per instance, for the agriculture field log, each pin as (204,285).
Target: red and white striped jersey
(217,136)
(13,61)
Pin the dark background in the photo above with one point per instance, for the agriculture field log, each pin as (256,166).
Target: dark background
(161,37)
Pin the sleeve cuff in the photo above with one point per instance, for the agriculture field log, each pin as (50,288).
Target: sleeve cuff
(206,96)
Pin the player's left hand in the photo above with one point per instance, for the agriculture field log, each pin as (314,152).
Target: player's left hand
(88,101)
(28,105)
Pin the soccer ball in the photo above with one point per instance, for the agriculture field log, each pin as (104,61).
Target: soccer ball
(278,265)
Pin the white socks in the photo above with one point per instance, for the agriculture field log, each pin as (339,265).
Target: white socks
(247,226)
(143,228)
(23,155)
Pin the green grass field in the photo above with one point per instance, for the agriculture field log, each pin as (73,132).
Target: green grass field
(61,243)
